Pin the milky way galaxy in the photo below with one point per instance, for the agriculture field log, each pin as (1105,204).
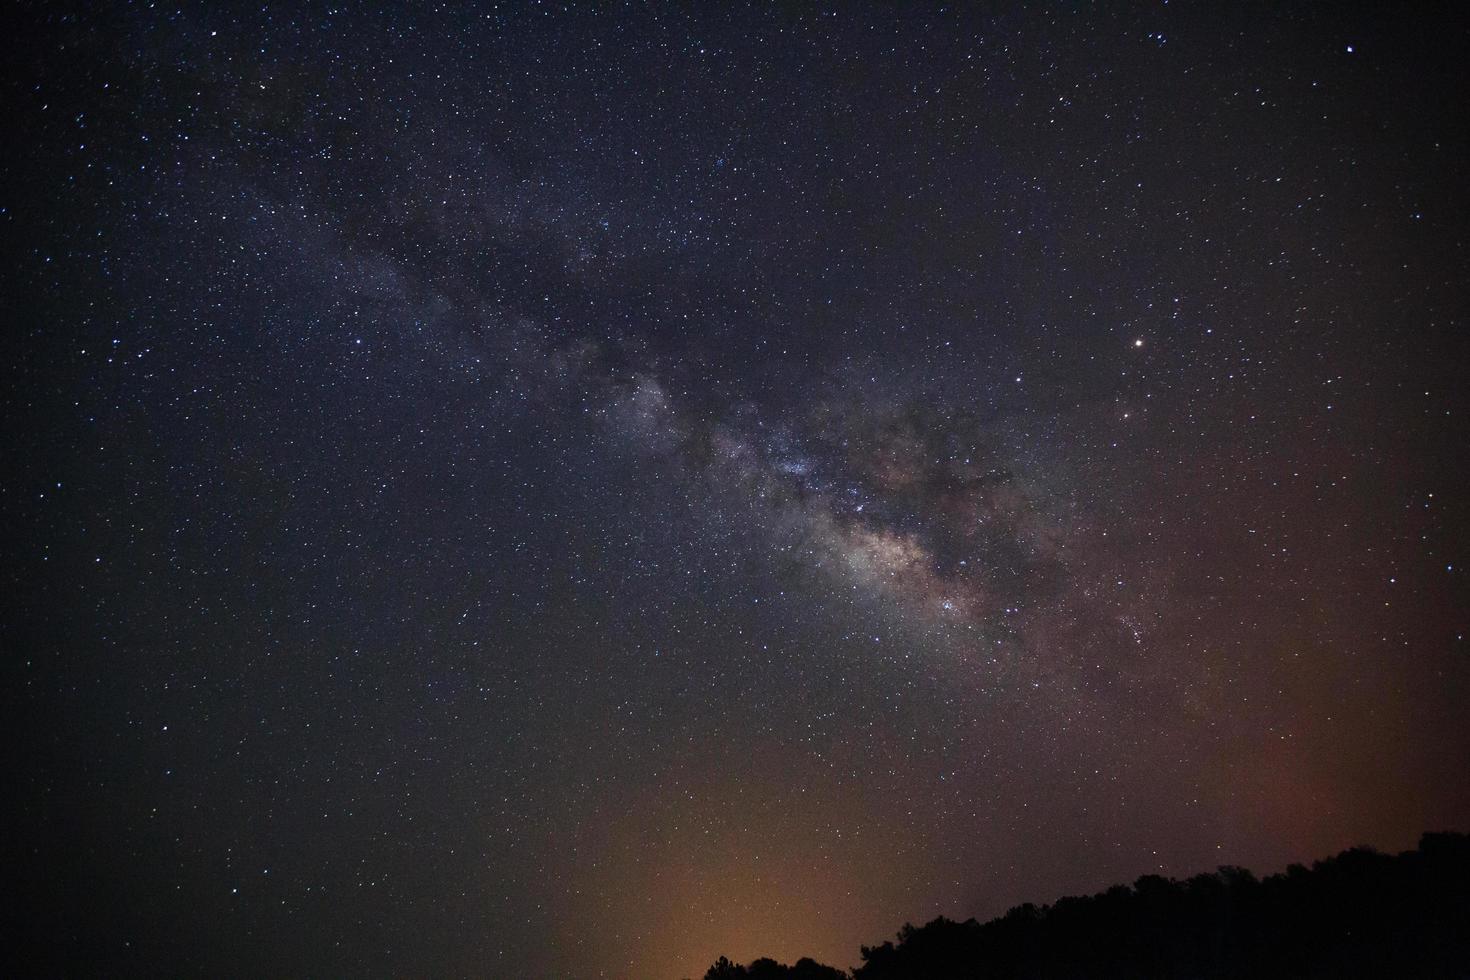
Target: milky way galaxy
(537,491)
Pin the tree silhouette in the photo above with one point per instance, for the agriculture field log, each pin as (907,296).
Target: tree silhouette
(1359,914)
(769,969)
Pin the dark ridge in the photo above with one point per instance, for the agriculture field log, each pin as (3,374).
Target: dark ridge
(1359,914)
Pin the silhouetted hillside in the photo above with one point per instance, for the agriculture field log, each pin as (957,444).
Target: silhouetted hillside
(1359,914)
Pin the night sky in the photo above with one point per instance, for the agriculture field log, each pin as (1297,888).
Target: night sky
(537,492)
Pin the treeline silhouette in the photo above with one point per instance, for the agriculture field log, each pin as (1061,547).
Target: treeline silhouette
(1359,914)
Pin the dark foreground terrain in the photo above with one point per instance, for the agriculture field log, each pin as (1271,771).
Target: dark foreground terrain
(1359,914)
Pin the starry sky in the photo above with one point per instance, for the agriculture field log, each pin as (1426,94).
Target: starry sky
(536,491)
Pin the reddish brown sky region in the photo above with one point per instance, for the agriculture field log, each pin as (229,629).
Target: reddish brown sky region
(551,492)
